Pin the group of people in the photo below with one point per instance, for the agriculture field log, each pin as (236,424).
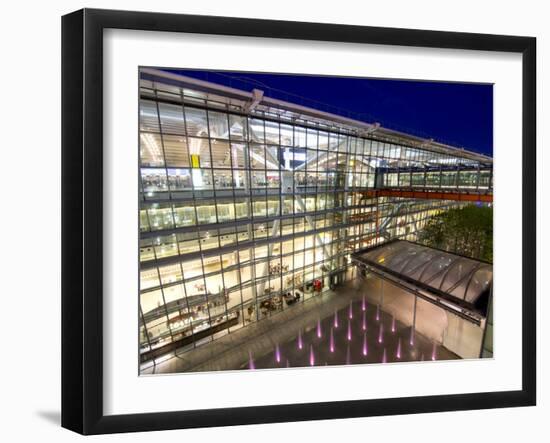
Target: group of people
(277,268)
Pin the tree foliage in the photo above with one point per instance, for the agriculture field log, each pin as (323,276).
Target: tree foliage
(467,231)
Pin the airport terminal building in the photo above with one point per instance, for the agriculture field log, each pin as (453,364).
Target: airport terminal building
(251,205)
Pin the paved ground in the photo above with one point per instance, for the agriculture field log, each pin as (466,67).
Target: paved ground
(274,342)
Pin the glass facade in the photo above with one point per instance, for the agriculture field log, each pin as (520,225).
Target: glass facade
(247,209)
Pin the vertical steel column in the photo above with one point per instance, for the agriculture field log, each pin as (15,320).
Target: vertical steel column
(381,292)
(248,202)
(414,313)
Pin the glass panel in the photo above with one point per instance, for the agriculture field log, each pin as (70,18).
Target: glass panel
(481,280)
(436,267)
(160,217)
(223,179)
(459,270)
(154,180)
(323,140)
(171,119)
(256,130)
(166,246)
(149,279)
(287,137)
(206,213)
(179,179)
(237,125)
(184,215)
(170,274)
(272,132)
(197,123)
(221,155)
(218,124)
(237,155)
(257,157)
(415,268)
(148,117)
(151,300)
(209,239)
(199,148)
(175,150)
(312,138)
(299,137)
(150,150)
(143,221)
(191,268)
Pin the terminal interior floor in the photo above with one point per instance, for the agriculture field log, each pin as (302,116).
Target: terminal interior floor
(319,332)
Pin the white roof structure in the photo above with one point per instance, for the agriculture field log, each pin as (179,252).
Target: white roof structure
(256,102)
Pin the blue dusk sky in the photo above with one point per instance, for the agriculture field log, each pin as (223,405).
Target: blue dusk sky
(459,114)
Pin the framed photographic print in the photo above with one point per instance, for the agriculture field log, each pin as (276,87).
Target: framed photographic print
(270,221)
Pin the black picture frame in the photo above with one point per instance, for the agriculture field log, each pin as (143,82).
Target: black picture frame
(82,253)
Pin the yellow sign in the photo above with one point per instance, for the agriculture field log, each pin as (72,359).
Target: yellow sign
(195,161)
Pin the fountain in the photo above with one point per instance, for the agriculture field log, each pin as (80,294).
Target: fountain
(319,332)
(434,352)
(250,361)
(349,330)
(363,304)
(364,323)
(311,356)
(411,339)
(348,356)
(377,312)
(331,340)
(384,357)
(393,324)
(300,342)
(277,353)
(350,309)
(365,347)
(381,333)
(398,353)
(335,319)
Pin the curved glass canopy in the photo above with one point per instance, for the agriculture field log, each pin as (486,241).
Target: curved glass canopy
(459,277)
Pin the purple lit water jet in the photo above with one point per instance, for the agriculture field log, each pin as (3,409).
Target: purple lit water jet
(311,356)
(300,342)
(365,346)
(377,312)
(335,319)
(384,357)
(331,340)
(364,323)
(398,353)
(350,310)
(250,361)
(411,339)
(319,332)
(348,356)
(381,333)
(434,352)
(349,330)
(392,324)
(277,353)
(363,304)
